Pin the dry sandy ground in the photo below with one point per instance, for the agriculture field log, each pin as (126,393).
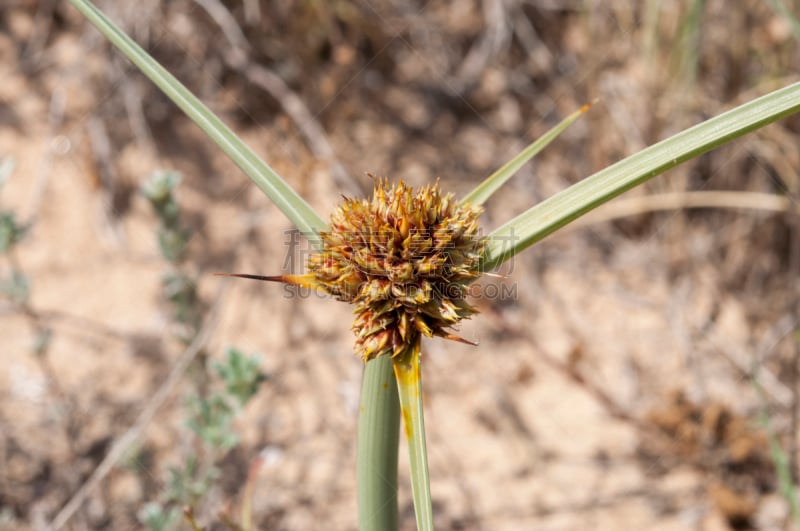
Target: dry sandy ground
(565,417)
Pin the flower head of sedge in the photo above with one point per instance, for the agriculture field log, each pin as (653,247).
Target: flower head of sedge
(404,259)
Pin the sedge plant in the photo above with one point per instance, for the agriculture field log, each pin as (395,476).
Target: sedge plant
(404,258)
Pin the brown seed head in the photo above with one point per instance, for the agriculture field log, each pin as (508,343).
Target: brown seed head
(405,259)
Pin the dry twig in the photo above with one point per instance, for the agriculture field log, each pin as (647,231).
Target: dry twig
(632,206)
(101,151)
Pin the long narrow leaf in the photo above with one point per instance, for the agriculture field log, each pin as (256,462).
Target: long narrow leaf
(484,191)
(558,210)
(295,208)
(409,387)
(378,445)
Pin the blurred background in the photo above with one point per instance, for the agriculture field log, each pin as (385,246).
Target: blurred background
(640,373)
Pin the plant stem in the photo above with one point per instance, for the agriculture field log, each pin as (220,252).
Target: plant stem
(409,386)
(378,444)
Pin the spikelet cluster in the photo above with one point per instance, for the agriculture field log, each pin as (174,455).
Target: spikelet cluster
(404,259)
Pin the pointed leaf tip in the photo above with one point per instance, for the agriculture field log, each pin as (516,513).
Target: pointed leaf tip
(554,212)
(484,191)
(306,281)
(459,339)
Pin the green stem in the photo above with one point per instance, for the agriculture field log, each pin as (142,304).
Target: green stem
(378,444)
(409,386)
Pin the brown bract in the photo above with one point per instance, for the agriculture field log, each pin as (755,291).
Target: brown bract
(405,259)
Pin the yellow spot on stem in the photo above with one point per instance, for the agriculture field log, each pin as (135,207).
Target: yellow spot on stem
(406,370)
(407,423)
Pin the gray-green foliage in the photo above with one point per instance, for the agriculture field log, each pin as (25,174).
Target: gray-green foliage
(236,378)
(11,230)
(241,373)
(178,286)
(211,417)
(188,484)
(157,517)
(180,290)
(220,393)
(7,166)
(172,237)
(16,285)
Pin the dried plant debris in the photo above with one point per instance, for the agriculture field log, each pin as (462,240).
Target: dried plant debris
(728,448)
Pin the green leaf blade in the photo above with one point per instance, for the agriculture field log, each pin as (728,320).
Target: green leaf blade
(409,388)
(378,445)
(556,211)
(290,203)
(484,191)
